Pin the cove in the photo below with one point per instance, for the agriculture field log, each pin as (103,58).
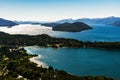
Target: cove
(81,61)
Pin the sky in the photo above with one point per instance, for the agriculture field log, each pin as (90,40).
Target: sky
(52,10)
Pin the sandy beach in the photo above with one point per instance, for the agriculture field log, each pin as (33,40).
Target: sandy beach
(39,63)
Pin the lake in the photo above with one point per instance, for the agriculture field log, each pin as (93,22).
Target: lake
(98,33)
(77,61)
(81,61)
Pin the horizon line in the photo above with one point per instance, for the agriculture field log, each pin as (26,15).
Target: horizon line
(60,19)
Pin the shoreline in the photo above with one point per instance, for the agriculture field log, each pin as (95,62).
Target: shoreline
(39,63)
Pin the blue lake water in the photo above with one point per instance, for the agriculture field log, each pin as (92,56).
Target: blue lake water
(81,61)
(98,33)
(84,61)
(78,61)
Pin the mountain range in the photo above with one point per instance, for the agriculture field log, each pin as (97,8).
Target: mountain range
(108,20)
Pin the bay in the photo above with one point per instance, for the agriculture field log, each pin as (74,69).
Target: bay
(81,61)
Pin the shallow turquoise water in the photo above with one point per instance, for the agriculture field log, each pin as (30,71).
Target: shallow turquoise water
(81,61)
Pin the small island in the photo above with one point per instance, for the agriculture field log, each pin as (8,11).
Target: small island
(72,27)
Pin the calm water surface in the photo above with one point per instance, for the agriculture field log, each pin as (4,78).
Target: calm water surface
(81,61)
(98,33)
(78,61)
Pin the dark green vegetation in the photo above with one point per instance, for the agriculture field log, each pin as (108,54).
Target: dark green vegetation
(47,41)
(72,27)
(8,23)
(14,61)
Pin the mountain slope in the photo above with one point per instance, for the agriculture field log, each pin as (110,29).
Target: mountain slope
(9,23)
(108,20)
(116,23)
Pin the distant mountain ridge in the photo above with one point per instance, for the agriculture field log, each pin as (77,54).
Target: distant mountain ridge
(108,20)
(8,23)
(116,23)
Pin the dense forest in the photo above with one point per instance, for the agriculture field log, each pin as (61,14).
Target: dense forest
(47,41)
(15,64)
